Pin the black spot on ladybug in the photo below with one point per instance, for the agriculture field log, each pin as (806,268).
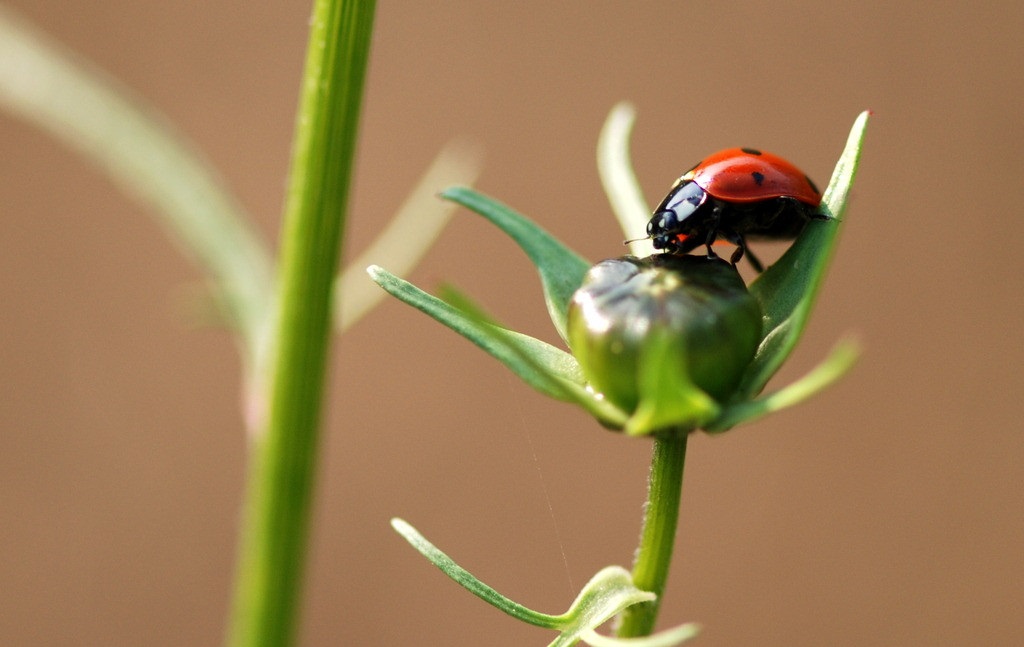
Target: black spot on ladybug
(758,178)
(751,151)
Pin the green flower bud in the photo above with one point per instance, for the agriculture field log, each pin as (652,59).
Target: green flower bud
(639,327)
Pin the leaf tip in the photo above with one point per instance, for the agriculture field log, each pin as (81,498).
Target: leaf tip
(406,531)
(453,192)
(623,112)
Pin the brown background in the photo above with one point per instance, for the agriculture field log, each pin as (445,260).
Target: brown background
(888,511)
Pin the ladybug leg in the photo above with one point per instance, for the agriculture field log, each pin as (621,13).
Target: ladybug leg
(742,250)
(755,262)
(737,254)
(716,221)
(709,241)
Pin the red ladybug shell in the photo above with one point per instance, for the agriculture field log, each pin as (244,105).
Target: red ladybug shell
(749,175)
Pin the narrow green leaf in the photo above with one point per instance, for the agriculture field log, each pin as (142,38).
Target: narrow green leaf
(408,235)
(620,183)
(787,290)
(547,369)
(555,362)
(561,269)
(570,380)
(839,361)
(146,157)
(468,581)
(608,593)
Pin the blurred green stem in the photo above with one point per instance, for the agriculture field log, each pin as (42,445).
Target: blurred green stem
(661,515)
(283,456)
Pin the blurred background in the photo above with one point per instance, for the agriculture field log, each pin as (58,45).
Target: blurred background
(888,511)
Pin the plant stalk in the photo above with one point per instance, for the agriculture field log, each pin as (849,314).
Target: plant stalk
(283,453)
(657,539)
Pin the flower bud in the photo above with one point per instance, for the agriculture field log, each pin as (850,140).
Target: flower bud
(639,324)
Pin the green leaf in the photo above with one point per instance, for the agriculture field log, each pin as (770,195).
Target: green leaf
(787,290)
(561,269)
(559,367)
(409,234)
(619,180)
(146,157)
(669,398)
(825,374)
(607,594)
(468,581)
(569,379)
(547,369)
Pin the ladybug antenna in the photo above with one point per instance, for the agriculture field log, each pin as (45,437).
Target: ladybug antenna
(634,240)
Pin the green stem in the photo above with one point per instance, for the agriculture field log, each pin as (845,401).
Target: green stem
(282,462)
(654,555)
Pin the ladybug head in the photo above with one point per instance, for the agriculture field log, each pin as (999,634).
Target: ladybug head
(675,216)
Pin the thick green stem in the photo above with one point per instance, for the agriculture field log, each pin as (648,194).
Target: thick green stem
(283,458)
(654,555)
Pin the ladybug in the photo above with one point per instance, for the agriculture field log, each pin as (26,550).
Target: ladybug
(732,194)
